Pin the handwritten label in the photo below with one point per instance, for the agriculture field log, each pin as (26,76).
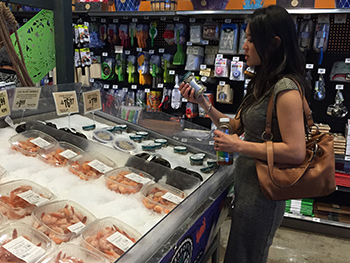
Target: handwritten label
(172,198)
(100,166)
(106,86)
(76,228)
(204,79)
(219,56)
(120,241)
(33,198)
(138,178)
(315,219)
(125,89)
(211,142)
(118,49)
(4,104)
(40,142)
(104,54)
(66,102)
(235,59)
(92,80)
(26,98)
(92,101)
(176,18)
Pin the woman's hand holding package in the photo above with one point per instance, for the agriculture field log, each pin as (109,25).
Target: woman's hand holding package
(226,143)
(188,93)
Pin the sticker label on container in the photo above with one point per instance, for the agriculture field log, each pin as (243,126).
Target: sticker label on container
(138,178)
(76,227)
(100,166)
(33,198)
(24,249)
(120,241)
(172,198)
(40,142)
(68,154)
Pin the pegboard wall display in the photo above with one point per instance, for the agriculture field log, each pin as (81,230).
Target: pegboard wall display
(326,46)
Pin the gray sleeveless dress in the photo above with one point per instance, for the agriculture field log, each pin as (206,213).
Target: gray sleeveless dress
(255,218)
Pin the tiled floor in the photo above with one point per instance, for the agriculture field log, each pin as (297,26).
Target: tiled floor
(291,245)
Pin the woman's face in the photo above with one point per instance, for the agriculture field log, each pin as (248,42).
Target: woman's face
(251,56)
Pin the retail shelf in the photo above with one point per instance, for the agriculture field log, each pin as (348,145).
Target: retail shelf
(45,4)
(343,189)
(317,220)
(132,14)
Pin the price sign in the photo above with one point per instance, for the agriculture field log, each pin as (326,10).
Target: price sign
(125,17)
(205,42)
(203,66)
(171,72)
(161,85)
(120,241)
(106,86)
(134,20)
(115,20)
(228,21)
(104,54)
(339,87)
(92,101)
(222,83)
(235,59)
(309,66)
(133,86)
(66,102)
(347,60)
(151,51)
(26,98)
(147,90)
(315,219)
(321,71)
(189,43)
(92,80)
(127,52)
(103,20)
(163,18)
(100,166)
(139,49)
(115,87)
(219,56)
(192,20)
(161,50)
(125,89)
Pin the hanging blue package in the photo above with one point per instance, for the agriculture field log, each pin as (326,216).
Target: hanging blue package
(127,5)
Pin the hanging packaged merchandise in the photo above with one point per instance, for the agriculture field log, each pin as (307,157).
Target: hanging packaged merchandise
(306,30)
(321,36)
(338,109)
(127,5)
(140,98)
(165,103)
(95,40)
(130,98)
(242,38)
(168,35)
(103,32)
(209,4)
(237,70)
(228,39)
(196,34)
(201,111)
(155,70)
(143,68)
(112,35)
(153,32)
(95,68)
(191,110)
(166,64)
(176,97)
(124,35)
(309,76)
(77,60)
(211,30)
(179,57)
(141,35)
(320,88)
(222,67)
(207,72)
(132,33)
(210,54)
(340,72)
(224,94)
(194,59)
(85,57)
(108,70)
(120,66)
(131,69)
(181,28)
(153,101)
(81,33)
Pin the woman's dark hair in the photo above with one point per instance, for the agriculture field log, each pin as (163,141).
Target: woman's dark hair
(277,61)
(4,58)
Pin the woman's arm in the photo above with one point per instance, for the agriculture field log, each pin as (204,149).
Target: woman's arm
(291,124)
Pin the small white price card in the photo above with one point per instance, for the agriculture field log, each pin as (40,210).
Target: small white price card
(205,42)
(33,198)
(115,87)
(106,86)
(125,89)
(222,83)
(92,80)
(139,49)
(125,17)
(219,56)
(163,18)
(315,219)
(26,98)
(92,101)
(192,20)
(76,227)
(172,198)
(120,241)
(24,249)
(133,86)
(147,90)
(309,66)
(347,60)
(118,49)
(40,142)
(68,154)
(138,178)
(103,20)
(151,51)
(228,21)
(4,104)
(134,20)
(171,72)
(100,166)
(321,71)
(203,66)
(184,139)
(160,85)
(66,102)
(235,59)
(347,158)
(189,43)
(339,87)
(146,17)
(115,20)
(176,18)
(161,50)
(127,52)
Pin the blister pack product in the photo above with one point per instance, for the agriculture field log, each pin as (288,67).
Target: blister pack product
(321,36)
(108,71)
(237,70)
(182,31)
(85,57)
(194,59)
(222,67)
(340,72)
(224,94)
(196,34)
(320,89)
(210,54)
(306,30)
(338,109)
(211,30)
(228,39)
(168,35)
(242,38)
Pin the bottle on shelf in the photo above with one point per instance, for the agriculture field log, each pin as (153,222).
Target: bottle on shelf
(225,158)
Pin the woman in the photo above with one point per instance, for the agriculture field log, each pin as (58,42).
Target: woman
(272,48)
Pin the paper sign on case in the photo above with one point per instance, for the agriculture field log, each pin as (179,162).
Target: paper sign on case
(26,99)
(66,102)
(92,101)
(4,104)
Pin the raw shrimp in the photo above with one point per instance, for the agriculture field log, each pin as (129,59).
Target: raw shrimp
(55,158)
(67,259)
(26,145)
(155,202)
(84,171)
(55,225)
(123,185)
(100,242)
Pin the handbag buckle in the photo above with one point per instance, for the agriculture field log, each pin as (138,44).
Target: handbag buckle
(265,134)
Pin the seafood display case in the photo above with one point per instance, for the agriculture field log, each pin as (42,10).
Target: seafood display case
(194,188)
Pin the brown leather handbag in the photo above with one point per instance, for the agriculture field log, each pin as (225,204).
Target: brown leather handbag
(313,178)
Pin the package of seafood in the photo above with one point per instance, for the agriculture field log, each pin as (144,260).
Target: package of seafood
(3,220)
(2,172)
(70,253)
(19,198)
(127,180)
(61,220)
(90,165)
(59,154)
(20,243)
(109,237)
(162,197)
(30,142)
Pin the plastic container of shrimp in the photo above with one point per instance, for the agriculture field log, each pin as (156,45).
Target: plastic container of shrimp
(109,237)
(61,220)
(33,244)
(161,197)
(30,142)
(127,180)
(19,198)
(72,253)
(2,172)
(59,154)
(3,220)
(90,165)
